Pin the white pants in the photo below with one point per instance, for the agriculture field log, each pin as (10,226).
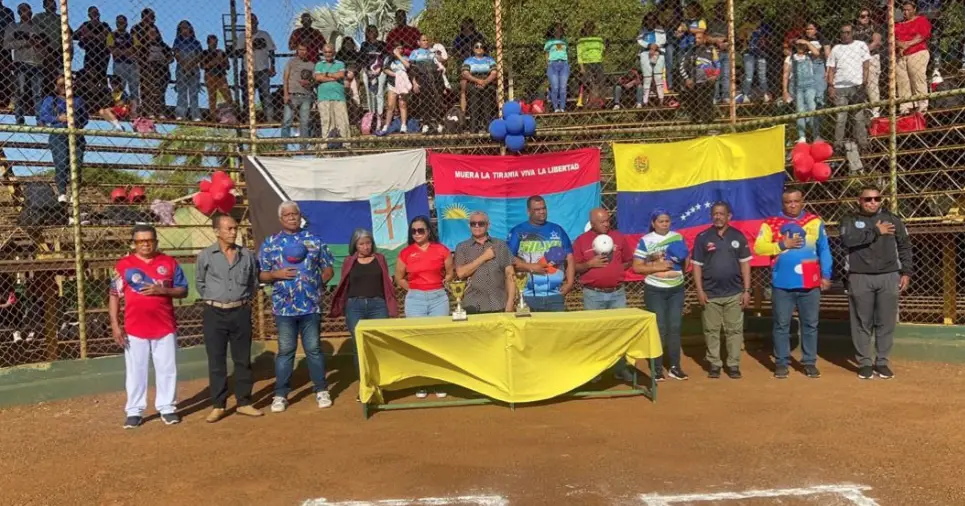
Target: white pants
(137,358)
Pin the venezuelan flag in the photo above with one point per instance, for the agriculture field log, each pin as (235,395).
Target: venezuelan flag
(746,170)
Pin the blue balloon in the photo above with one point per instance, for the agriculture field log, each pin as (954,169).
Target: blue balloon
(512,108)
(529,125)
(514,125)
(515,143)
(497,130)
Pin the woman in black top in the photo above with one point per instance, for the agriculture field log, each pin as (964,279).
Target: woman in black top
(365,291)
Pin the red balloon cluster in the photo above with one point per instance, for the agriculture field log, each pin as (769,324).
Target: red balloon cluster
(809,161)
(215,194)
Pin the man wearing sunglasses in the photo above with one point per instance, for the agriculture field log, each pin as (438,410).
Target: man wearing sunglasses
(879,266)
(148,281)
(488,265)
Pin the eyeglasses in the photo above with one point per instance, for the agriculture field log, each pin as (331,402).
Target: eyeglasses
(865,15)
(144,241)
(477,224)
(418,231)
(876,198)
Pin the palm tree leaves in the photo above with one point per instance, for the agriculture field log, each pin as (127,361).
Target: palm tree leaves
(352,16)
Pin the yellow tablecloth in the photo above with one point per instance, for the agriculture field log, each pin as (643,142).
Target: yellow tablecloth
(500,356)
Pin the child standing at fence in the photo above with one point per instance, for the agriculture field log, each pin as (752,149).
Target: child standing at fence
(653,40)
(800,85)
(148,281)
(558,66)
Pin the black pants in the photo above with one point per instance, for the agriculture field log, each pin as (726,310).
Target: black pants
(481,106)
(698,103)
(223,326)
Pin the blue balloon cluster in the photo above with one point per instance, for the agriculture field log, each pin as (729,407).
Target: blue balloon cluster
(513,128)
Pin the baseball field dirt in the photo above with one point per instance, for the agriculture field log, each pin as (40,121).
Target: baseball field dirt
(755,441)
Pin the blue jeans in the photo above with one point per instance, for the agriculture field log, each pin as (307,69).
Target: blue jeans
(60,154)
(263,88)
(130,77)
(593,299)
(29,83)
(375,94)
(722,88)
(426,303)
(805,99)
(670,58)
(289,327)
(547,304)
(751,64)
(820,85)
(559,74)
(188,85)
(808,304)
(668,305)
(363,308)
(304,105)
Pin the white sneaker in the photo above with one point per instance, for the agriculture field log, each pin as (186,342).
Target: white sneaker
(17,336)
(324,399)
(279,404)
(31,335)
(179,118)
(422,394)
(638,106)
(404,129)
(439,128)
(616,107)
(196,120)
(425,129)
(802,139)
(62,198)
(441,395)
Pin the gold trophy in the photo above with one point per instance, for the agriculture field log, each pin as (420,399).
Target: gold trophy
(458,289)
(522,279)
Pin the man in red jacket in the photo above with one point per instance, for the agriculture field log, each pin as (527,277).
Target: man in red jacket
(148,281)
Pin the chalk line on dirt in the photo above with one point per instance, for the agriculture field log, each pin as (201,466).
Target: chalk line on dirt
(464,500)
(853,493)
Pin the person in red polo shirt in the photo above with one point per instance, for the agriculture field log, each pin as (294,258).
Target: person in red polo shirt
(911,37)
(602,275)
(408,35)
(148,281)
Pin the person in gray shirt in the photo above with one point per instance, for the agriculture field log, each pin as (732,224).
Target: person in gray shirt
(488,266)
(299,93)
(226,277)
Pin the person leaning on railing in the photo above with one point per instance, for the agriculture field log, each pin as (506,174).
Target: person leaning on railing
(53,114)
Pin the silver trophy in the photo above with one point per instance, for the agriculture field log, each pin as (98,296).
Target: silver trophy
(522,279)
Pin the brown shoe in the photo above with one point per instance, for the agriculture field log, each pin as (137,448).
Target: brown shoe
(215,415)
(249,410)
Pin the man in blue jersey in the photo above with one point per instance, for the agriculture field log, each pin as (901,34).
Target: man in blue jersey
(544,250)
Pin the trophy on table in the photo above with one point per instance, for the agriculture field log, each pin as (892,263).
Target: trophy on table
(458,289)
(522,279)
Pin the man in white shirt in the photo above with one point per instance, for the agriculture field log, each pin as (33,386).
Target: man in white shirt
(848,68)
(264,67)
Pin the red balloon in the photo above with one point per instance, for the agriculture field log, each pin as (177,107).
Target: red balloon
(821,172)
(227,204)
(204,203)
(525,108)
(204,185)
(218,195)
(802,174)
(821,151)
(537,107)
(800,148)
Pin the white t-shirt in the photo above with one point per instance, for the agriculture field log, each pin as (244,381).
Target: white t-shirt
(848,62)
(260,56)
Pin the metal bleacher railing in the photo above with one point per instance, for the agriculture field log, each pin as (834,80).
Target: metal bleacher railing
(56,257)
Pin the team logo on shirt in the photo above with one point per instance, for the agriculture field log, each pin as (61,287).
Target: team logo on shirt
(711,247)
(859,224)
(641,164)
(136,278)
(735,244)
(162,270)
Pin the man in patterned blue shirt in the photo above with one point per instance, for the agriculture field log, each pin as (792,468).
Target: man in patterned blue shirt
(297,288)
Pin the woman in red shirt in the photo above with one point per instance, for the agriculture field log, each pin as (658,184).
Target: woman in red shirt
(422,269)
(911,37)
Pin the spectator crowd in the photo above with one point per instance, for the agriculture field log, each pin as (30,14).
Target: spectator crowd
(411,82)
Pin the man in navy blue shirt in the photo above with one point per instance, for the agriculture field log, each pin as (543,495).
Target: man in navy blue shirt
(53,114)
(544,250)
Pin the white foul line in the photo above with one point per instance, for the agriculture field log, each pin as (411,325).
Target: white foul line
(850,492)
(466,500)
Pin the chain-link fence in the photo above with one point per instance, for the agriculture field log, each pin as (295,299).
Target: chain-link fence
(164,102)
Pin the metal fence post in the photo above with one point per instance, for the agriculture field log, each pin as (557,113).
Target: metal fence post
(75,174)
(498,10)
(253,138)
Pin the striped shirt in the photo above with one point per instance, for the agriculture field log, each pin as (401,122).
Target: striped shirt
(652,246)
